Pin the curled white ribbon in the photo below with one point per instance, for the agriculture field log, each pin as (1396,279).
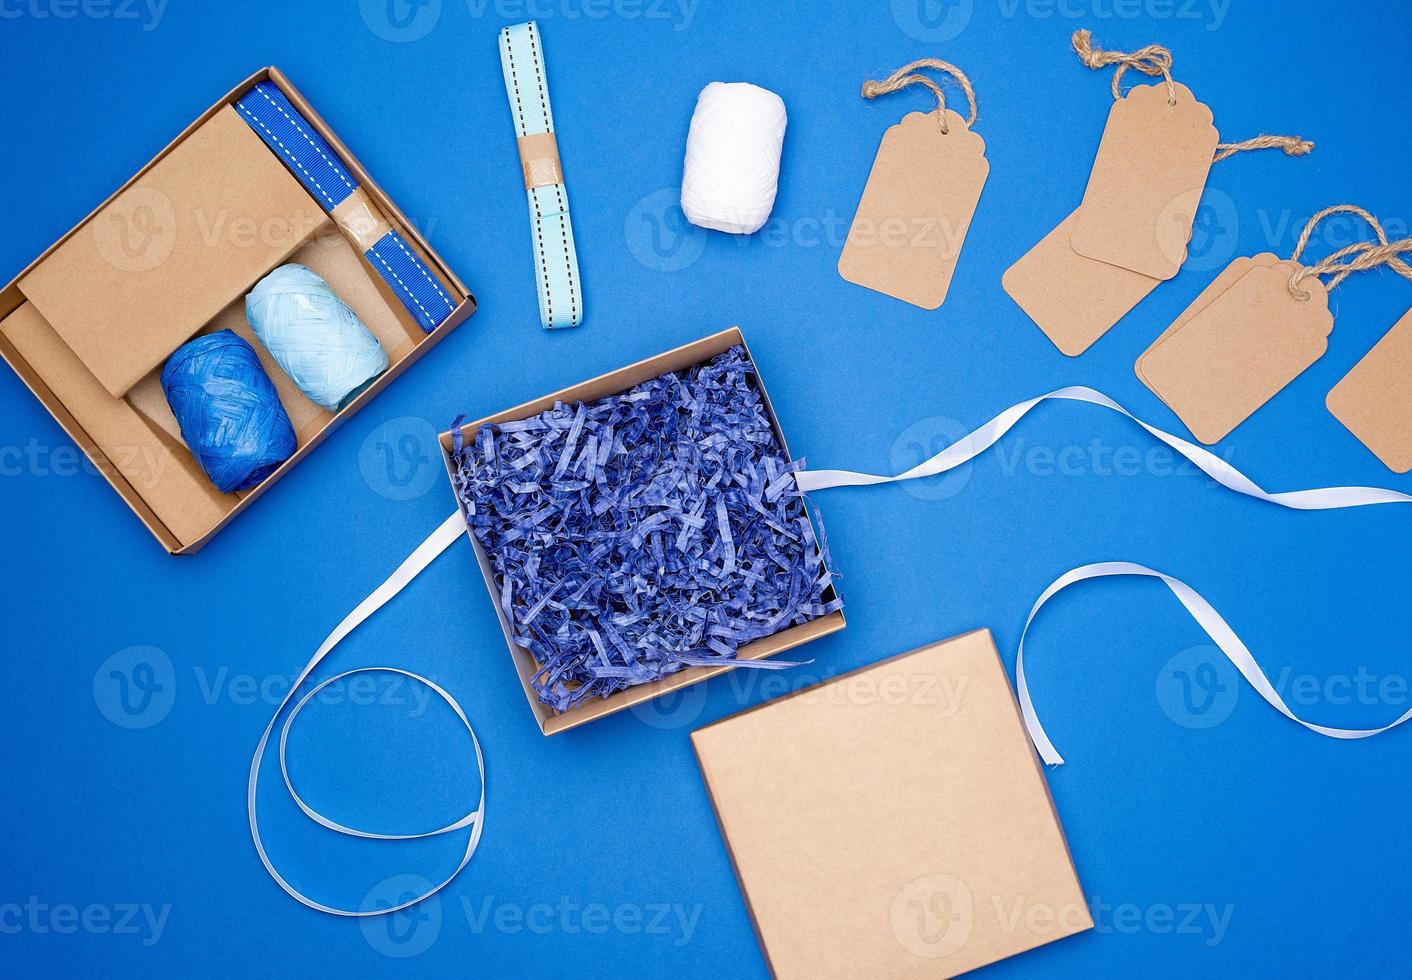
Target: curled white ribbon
(969,447)
(1206,617)
(441,539)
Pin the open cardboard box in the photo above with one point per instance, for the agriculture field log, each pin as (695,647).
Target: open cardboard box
(170,255)
(550,721)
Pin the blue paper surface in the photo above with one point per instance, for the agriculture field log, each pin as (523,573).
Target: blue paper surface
(1200,821)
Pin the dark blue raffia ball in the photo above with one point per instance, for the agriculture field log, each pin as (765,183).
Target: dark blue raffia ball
(229,412)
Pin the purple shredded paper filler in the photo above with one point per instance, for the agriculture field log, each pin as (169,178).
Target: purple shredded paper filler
(646,532)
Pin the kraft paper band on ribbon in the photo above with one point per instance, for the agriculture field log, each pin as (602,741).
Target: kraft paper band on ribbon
(557,279)
(539,159)
(318,168)
(1206,617)
(442,538)
(360,220)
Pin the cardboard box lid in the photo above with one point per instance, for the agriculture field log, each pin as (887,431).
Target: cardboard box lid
(145,273)
(893,821)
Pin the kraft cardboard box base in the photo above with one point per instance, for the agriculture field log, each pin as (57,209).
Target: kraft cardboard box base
(894,821)
(551,722)
(170,255)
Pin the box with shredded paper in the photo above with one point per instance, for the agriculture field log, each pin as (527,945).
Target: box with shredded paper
(634,536)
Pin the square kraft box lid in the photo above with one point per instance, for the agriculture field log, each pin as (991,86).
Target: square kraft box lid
(893,821)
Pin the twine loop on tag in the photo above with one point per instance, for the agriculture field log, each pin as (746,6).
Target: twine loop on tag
(1294,146)
(907,75)
(1152,60)
(1357,257)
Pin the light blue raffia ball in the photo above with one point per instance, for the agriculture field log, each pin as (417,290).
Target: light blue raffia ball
(313,335)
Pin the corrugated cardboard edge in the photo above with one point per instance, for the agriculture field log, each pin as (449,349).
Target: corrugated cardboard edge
(551,723)
(844,678)
(11,298)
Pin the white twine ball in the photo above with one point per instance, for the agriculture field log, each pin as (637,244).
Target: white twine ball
(732,165)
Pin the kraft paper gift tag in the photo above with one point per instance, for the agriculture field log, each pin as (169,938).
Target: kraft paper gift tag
(1256,328)
(1235,354)
(1147,179)
(1227,278)
(1374,400)
(917,206)
(1074,298)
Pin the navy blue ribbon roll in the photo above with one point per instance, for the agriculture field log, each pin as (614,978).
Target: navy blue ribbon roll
(229,412)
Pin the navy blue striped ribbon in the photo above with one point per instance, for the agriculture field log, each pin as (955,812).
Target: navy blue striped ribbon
(314,163)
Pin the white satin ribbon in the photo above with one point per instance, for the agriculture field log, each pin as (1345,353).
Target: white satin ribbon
(1206,617)
(441,539)
(969,447)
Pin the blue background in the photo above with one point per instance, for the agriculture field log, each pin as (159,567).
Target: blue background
(1298,843)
